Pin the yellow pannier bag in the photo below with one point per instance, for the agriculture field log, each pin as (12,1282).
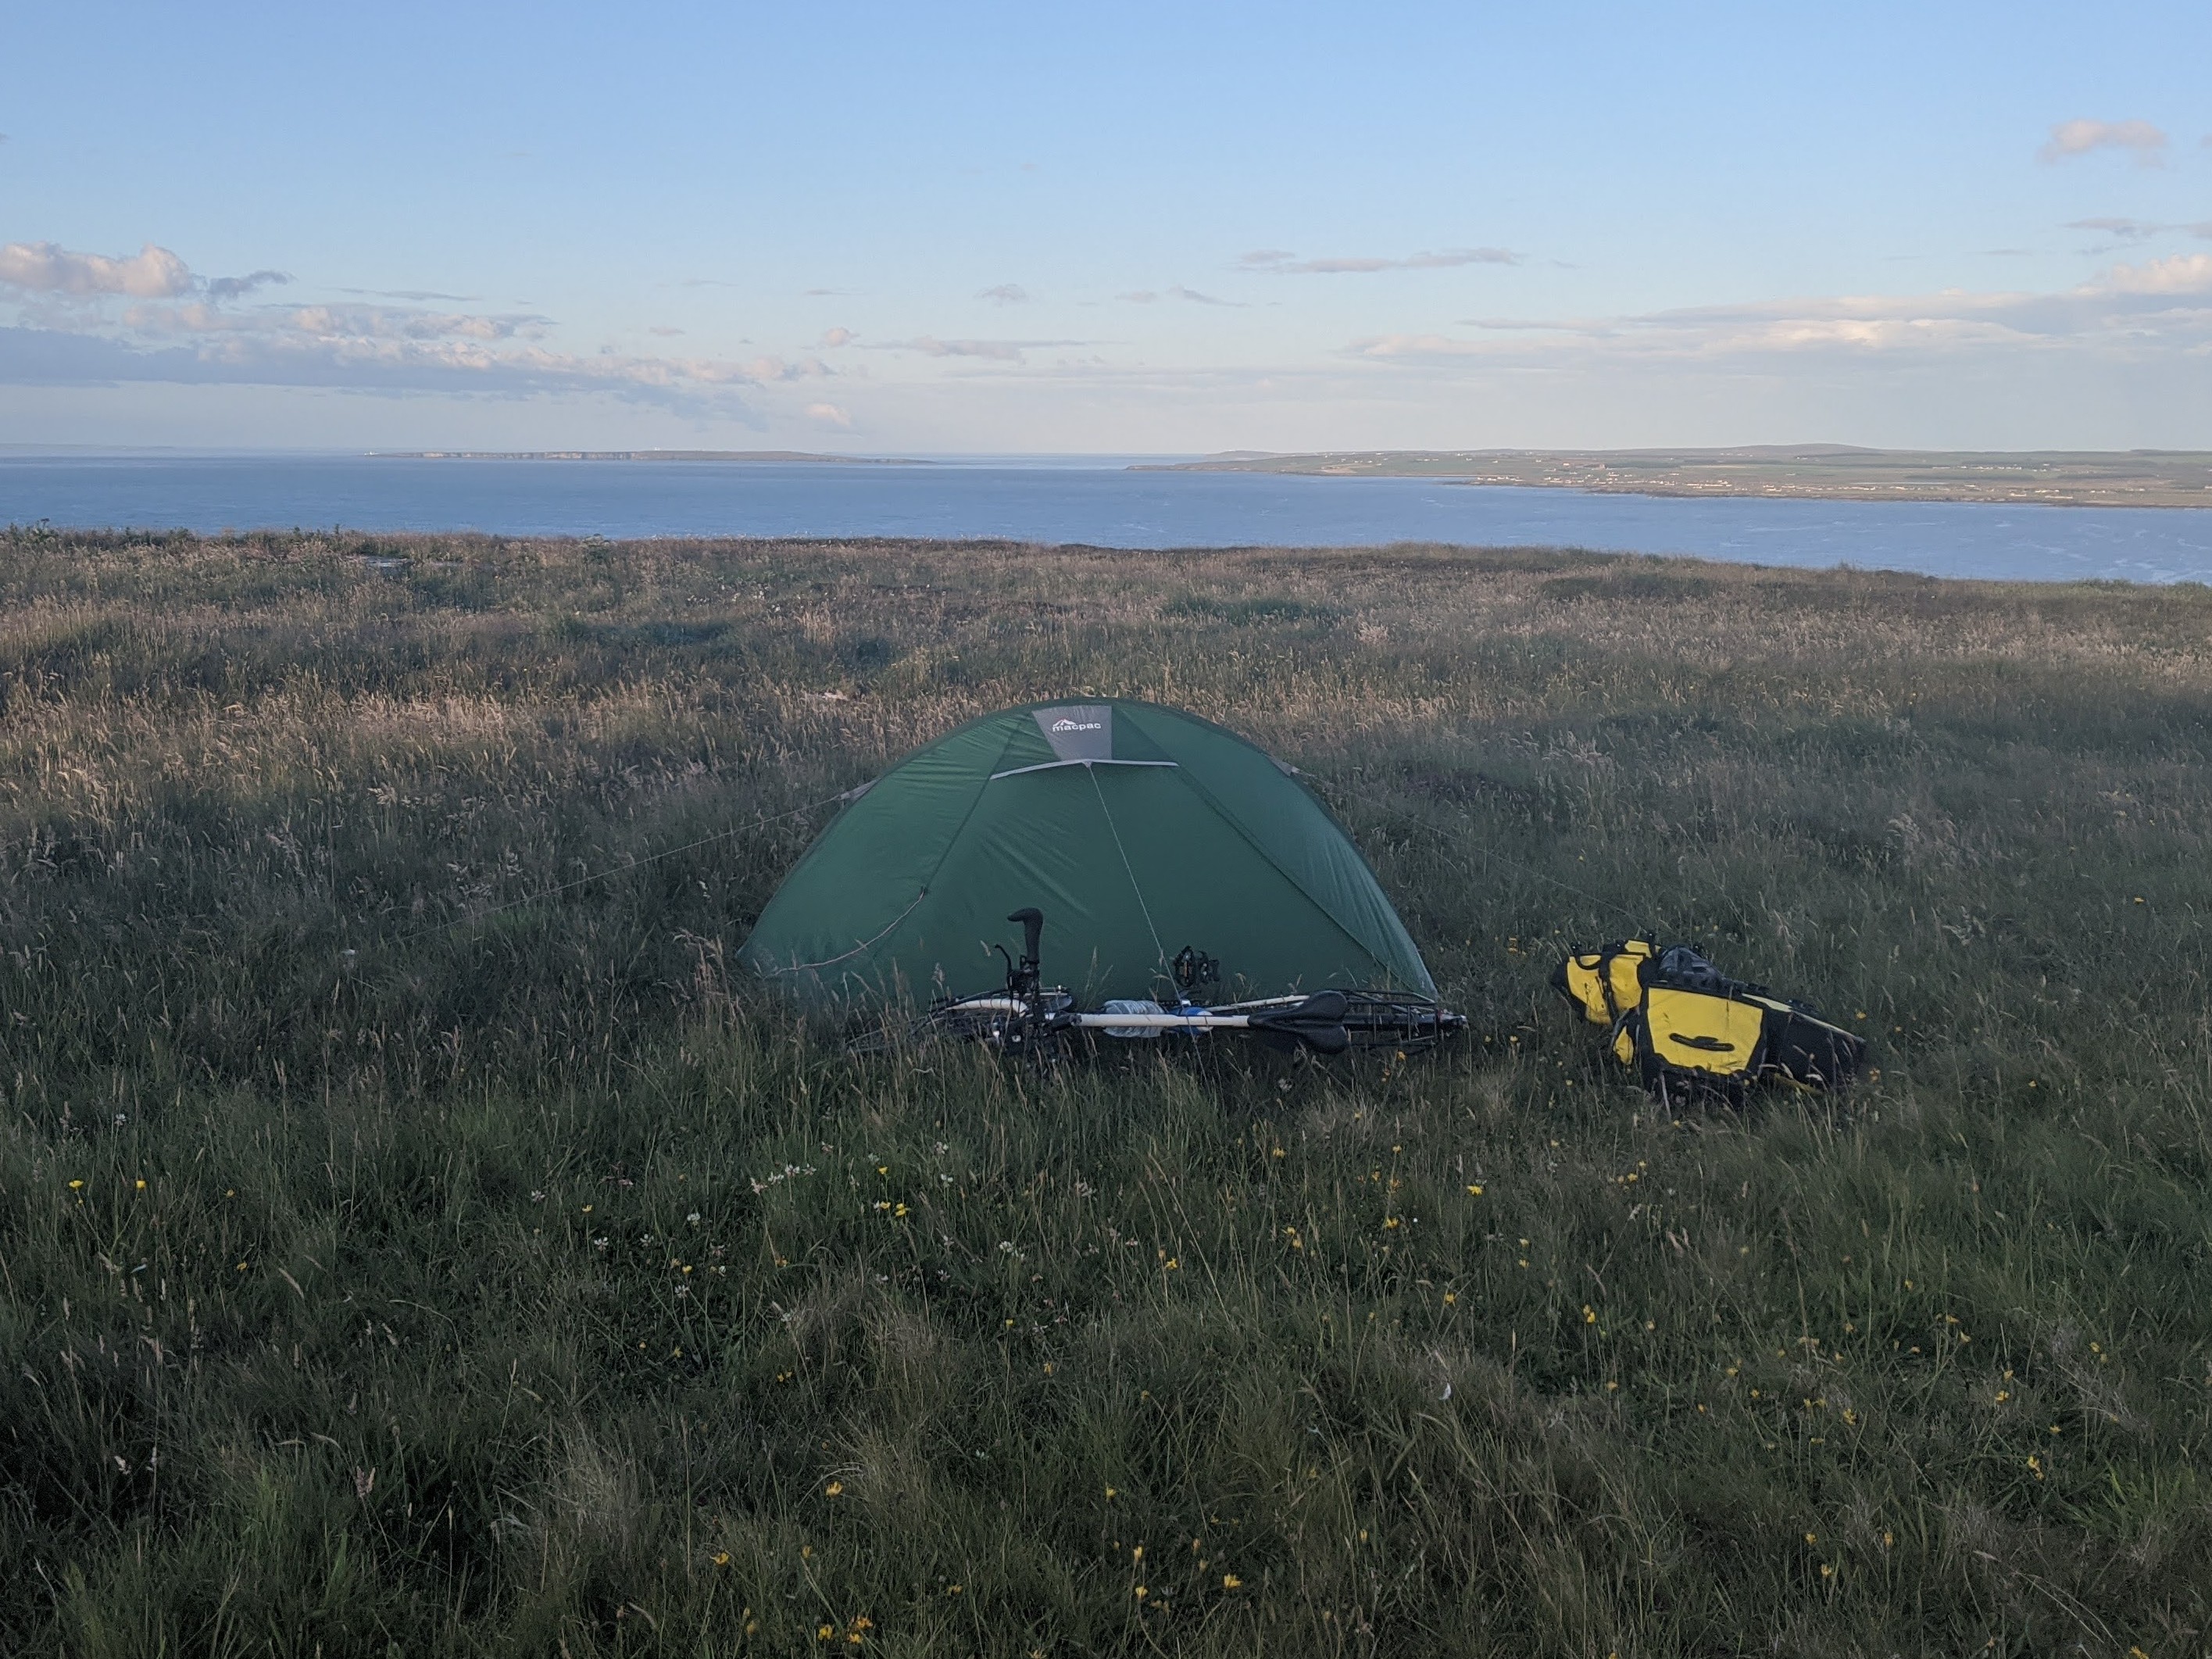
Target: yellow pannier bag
(1604,983)
(1706,1031)
(1689,1030)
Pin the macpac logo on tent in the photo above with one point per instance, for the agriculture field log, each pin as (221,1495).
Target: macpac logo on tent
(1079,726)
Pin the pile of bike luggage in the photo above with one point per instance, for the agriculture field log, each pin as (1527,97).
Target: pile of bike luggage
(1690,1032)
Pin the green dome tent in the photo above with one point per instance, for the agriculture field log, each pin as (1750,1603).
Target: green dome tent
(1137,831)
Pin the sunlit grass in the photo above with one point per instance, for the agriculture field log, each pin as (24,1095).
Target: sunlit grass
(386,1266)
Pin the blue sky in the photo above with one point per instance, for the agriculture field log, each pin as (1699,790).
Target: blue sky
(1132,228)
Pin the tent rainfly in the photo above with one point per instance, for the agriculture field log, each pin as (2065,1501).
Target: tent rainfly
(1137,831)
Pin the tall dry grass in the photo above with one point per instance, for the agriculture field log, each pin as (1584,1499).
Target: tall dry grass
(395,1261)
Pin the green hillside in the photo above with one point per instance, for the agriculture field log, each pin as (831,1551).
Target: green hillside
(2137,477)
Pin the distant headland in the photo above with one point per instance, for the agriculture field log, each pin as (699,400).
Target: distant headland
(2137,477)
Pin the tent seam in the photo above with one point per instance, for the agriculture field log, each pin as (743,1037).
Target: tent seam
(1113,829)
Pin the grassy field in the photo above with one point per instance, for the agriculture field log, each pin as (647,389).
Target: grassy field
(395,1263)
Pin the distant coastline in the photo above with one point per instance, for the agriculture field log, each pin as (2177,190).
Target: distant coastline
(1825,472)
(764,457)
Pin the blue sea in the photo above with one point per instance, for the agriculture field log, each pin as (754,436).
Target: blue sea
(1097,501)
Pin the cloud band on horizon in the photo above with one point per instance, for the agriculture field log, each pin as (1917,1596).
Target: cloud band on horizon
(1278,262)
(180,329)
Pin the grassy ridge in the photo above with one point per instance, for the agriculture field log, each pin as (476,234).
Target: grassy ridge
(510,1279)
(1835,471)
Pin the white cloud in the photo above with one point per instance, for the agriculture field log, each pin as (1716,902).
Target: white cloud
(237,287)
(362,363)
(2178,273)
(764,369)
(1001,351)
(1279,263)
(332,322)
(1006,294)
(2136,230)
(2127,310)
(179,329)
(1511,324)
(2128,230)
(415,295)
(834,337)
(828,413)
(1146,297)
(49,268)
(2080,136)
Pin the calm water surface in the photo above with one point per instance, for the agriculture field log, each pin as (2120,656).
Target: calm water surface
(1101,504)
